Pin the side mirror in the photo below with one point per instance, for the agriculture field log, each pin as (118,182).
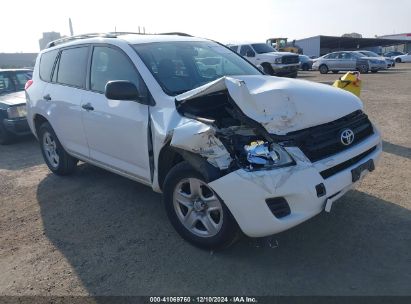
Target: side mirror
(250,53)
(122,90)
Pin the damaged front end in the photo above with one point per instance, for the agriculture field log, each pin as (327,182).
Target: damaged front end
(221,133)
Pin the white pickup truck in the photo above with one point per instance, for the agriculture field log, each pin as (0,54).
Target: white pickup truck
(273,62)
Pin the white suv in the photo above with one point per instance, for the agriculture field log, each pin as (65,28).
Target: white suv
(231,149)
(273,62)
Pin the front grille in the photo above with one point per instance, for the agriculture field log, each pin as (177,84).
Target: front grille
(289,59)
(334,170)
(324,140)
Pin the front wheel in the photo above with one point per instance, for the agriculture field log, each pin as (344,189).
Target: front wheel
(267,68)
(363,68)
(323,69)
(56,158)
(196,211)
(398,60)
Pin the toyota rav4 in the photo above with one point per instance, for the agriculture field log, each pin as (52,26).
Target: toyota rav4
(231,149)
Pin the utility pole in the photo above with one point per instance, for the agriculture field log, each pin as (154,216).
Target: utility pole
(71,27)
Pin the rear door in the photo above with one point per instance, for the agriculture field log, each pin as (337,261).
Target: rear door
(116,130)
(63,98)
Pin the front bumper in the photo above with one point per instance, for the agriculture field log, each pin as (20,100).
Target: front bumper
(377,66)
(245,192)
(285,68)
(17,126)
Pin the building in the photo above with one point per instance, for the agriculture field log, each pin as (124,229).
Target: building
(17,60)
(48,37)
(405,47)
(320,45)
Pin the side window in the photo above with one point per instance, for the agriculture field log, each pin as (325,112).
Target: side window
(72,67)
(234,48)
(245,49)
(46,64)
(111,64)
(333,56)
(6,84)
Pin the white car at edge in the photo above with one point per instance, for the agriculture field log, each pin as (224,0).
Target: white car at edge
(231,150)
(403,58)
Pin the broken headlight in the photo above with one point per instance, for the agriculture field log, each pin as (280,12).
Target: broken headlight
(264,154)
(17,111)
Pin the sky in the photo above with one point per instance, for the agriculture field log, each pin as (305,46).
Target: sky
(228,21)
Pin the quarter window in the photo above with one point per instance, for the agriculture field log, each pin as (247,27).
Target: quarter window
(72,67)
(111,64)
(46,64)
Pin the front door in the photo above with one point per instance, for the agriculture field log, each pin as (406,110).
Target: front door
(116,130)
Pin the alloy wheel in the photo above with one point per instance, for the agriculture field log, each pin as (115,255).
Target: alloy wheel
(197,207)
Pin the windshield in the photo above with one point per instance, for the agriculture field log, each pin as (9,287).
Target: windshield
(184,65)
(369,54)
(12,81)
(261,48)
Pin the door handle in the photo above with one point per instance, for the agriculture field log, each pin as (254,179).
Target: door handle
(87,107)
(47,97)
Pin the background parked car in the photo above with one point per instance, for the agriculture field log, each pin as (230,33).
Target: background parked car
(341,61)
(393,54)
(273,62)
(306,63)
(13,120)
(403,58)
(390,62)
(348,61)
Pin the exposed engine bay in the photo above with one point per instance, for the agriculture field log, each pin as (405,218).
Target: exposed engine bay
(247,143)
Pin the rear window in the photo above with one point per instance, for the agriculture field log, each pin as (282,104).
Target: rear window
(46,64)
(72,67)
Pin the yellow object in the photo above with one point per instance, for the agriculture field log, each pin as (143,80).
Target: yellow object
(350,82)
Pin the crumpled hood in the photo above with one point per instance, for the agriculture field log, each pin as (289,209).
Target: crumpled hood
(13,98)
(282,105)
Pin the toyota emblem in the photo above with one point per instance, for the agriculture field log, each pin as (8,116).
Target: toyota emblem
(347,137)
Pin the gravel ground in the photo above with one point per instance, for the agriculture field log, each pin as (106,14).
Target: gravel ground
(96,233)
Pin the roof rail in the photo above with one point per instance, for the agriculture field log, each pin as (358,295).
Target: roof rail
(105,35)
(82,36)
(176,34)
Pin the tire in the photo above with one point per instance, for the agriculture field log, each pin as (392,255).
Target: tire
(323,69)
(374,71)
(187,196)
(335,72)
(5,136)
(398,60)
(363,68)
(267,68)
(56,158)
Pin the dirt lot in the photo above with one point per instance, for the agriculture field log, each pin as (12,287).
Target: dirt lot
(100,234)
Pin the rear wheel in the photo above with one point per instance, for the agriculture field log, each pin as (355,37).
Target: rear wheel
(56,158)
(5,136)
(323,69)
(196,211)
